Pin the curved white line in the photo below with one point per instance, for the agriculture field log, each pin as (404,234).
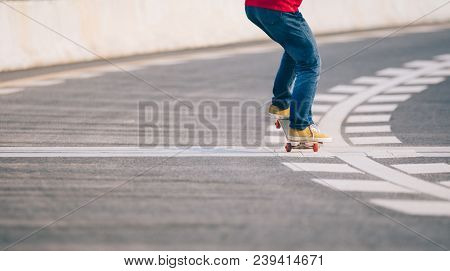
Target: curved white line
(332,121)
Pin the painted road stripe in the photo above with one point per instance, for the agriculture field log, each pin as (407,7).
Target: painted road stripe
(375,108)
(109,68)
(441,73)
(397,177)
(348,89)
(370,80)
(443,57)
(374,140)
(220,151)
(406,89)
(389,98)
(6,91)
(404,153)
(363,186)
(389,155)
(445,183)
(110,152)
(369,118)
(426,81)
(330,98)
(133,68)
(424,168)
(321,167)
(167,62)
(321,108)
(394,154)
(436,154)
(333,119)
(394,72)
(420,64)
(368,129)
(415,207)
(85,75)
(43,83)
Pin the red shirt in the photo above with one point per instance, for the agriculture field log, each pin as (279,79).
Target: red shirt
(280,5)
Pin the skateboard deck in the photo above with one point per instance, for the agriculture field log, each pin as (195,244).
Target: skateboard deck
(295,145)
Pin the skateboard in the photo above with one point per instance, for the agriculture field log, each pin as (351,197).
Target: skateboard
(295,145)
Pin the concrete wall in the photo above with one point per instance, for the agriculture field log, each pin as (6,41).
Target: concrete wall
(113,28)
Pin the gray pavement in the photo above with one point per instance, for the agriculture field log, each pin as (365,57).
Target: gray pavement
(166,200)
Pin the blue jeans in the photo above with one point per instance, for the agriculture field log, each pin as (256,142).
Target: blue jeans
(300,64)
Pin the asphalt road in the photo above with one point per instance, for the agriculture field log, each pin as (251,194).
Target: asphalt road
(75,173)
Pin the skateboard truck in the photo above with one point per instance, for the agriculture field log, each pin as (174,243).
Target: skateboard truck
(290,145)
(315,146)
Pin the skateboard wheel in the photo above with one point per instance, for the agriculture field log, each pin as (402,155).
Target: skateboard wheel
(316,147)
(278,124)
(288,147)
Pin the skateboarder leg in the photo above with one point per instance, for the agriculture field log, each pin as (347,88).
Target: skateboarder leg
(300,65)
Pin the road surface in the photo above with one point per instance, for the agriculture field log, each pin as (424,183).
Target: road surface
(173,151)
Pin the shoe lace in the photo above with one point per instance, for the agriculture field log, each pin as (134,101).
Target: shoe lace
(314,127)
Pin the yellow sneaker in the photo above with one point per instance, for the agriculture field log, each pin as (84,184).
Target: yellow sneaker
(277,113)
(310,134)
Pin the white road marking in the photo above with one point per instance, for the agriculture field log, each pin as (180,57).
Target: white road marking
(420,64)
(441,73)
(363,186)
(330,98)
(167,62)
(436,154)
(426,81)
(348,89)
(131,67)
(110,68)
(85,75)
(404,153)
(406,89)
(397,177)
(389,98)
(445,183)
(375,108)
(444,57)
(369,118)
(6,91)
(394,72)
(391,155)
(415,207)
(220,151)
(388,152)
(368,129)
(214,56)
(321,154)
(321,108)
(110,152)
(322,167)
(370,80)
(424,168)
(374,140)
(379,154)
(43,83)
(334,118)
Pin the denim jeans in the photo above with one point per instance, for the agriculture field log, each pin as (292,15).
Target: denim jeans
(300,65)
